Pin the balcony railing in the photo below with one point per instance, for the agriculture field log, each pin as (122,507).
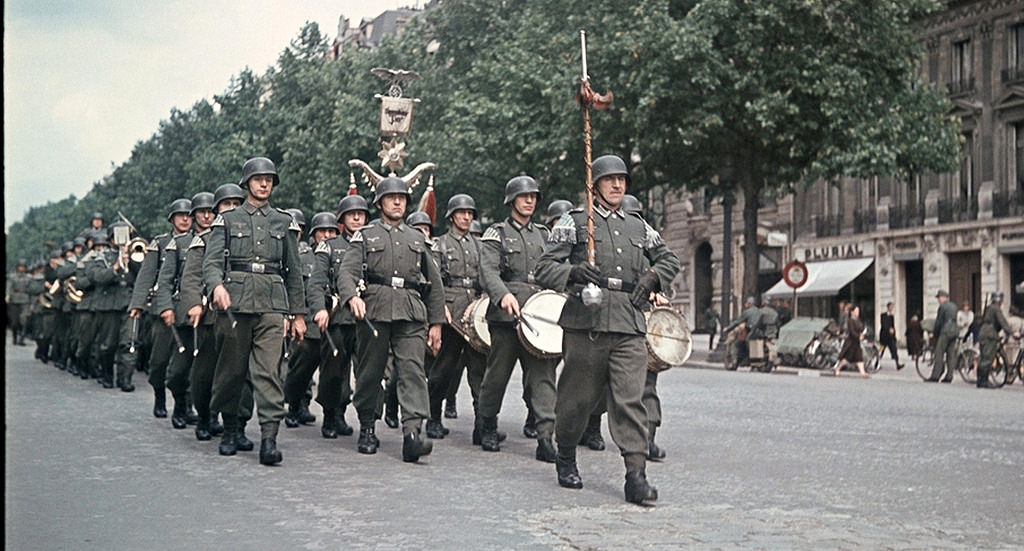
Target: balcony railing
(828,226)
(1013,74)
(958,210)
(863,220)
(1007,203)
(906,216)
(960,87)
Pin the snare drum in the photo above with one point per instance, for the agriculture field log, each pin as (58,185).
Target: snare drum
(542,311)
(668,339)
(474,325)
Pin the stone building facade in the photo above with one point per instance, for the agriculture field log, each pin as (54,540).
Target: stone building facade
(962,231)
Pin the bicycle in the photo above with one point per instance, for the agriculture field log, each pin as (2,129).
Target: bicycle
(966,360)
(1015,370)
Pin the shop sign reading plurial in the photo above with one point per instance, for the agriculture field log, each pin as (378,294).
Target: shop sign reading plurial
(837,251)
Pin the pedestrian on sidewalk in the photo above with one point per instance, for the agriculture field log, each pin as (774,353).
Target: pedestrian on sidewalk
(915,337)
(711,321)
(887,335)
(852,353)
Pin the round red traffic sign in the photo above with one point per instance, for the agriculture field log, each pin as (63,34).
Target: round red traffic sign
(795,274)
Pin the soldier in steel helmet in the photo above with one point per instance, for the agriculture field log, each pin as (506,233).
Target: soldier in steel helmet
(173,311)
(334,392)
(604,344)
(458,257)
(992,322)
(201,317)
(112,282)
(95,227)
(389,279)
(510,250)
(251,265)
(17,299)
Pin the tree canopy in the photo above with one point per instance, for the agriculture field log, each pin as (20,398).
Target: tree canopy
(784,92)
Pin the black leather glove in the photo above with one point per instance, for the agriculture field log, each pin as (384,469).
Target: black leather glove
(584,272)
(647,284)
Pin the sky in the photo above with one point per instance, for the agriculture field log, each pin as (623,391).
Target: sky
(85,80)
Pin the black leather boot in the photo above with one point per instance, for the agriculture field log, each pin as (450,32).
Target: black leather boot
(339,422)
(435,429)
(654,452)
(530,425)
(191,417)
(368,442)
(568,474)
(269,454)
(638,490)
(291,419)
(489,435)
(241,442)
(451,411)
(415,447)
(591,436)
(203,430)
(391,411)
(216,429)
(178,414)
(160,402)
(329,429)
(228,442)
(126,384)
(305,416)
(546,450)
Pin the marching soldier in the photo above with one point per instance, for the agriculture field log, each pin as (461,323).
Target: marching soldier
(84,315)
(95,228)
(403,293)
(51,302)
(112,289)
(251,264)
(604,345)
(458,255)
(66,336)
(336,322)
(201,317)
(17,298)
(508,260)
(173,312)
(160,338)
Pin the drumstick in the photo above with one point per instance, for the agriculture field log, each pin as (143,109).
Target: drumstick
(672,337)
(526,324)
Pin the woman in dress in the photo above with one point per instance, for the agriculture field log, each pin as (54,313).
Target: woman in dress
(852,352)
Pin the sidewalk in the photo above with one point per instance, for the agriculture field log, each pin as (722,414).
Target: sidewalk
(699,360)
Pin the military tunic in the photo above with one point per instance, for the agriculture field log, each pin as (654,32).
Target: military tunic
(605,348)
(992,322)
(168,298)
(305,356)
(84,315)
(17,302)
(112,289)
(395,265)
(944,360)
(509,253)
(159,341)
(251,251)
(458,257)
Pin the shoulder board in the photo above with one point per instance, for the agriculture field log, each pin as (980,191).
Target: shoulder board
(433,244)
(491,234)
(564,230)
(294,227)
(218,221)
(323,247)
(197,242)
(575,210)
(357,237)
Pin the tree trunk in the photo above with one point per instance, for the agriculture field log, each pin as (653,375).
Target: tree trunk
(751,250)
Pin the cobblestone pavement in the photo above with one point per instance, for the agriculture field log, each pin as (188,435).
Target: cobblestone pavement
(755,462)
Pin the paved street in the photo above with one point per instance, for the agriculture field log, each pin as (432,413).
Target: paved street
(755,461)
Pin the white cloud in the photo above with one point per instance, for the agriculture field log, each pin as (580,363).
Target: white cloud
(85,81)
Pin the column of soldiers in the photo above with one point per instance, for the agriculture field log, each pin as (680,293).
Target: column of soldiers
(237,311)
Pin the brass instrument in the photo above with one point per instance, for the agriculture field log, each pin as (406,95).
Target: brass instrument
(137,250)
(46,299)
(70,292)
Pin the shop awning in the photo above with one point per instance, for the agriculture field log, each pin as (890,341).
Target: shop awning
(824,279)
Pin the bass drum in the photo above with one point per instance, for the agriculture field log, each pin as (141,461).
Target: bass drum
(668,339)
(474,325)
(541,311)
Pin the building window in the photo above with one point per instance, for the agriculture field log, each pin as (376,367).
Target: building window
(965,177)
(1010,201)
(1014,71)
(961,203)
(961,79)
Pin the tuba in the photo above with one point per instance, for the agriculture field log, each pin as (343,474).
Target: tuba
(46,298)
(70,292)
(137,250)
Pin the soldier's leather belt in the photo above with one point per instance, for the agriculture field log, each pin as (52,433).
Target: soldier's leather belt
(460,282)
(397,283)
(256,268)
(521,278)
(612,284)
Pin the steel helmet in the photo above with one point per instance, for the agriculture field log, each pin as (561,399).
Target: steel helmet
(997,296)
(418,218)
(21,262)
(78,242)
(324,221)
(389,185)
(298,217)
(258,165)
(476,228)
(350,203)
(96,215)
(202,200)
(460,201)
(66,246)
(631,204)
(179,206)
(228,191)
(557,208)
(520,185)
(608,165)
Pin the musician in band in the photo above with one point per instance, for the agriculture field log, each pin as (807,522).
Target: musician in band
(604,344)
(251,264)
(334,390)
(403,295)
(112,287)
(510,250)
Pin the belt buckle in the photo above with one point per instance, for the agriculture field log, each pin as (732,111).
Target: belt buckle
(615,284)
(467,281)
(258,268)
(530,278)
(398,282)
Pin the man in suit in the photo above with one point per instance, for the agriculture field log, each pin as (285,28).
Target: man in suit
(887,334)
